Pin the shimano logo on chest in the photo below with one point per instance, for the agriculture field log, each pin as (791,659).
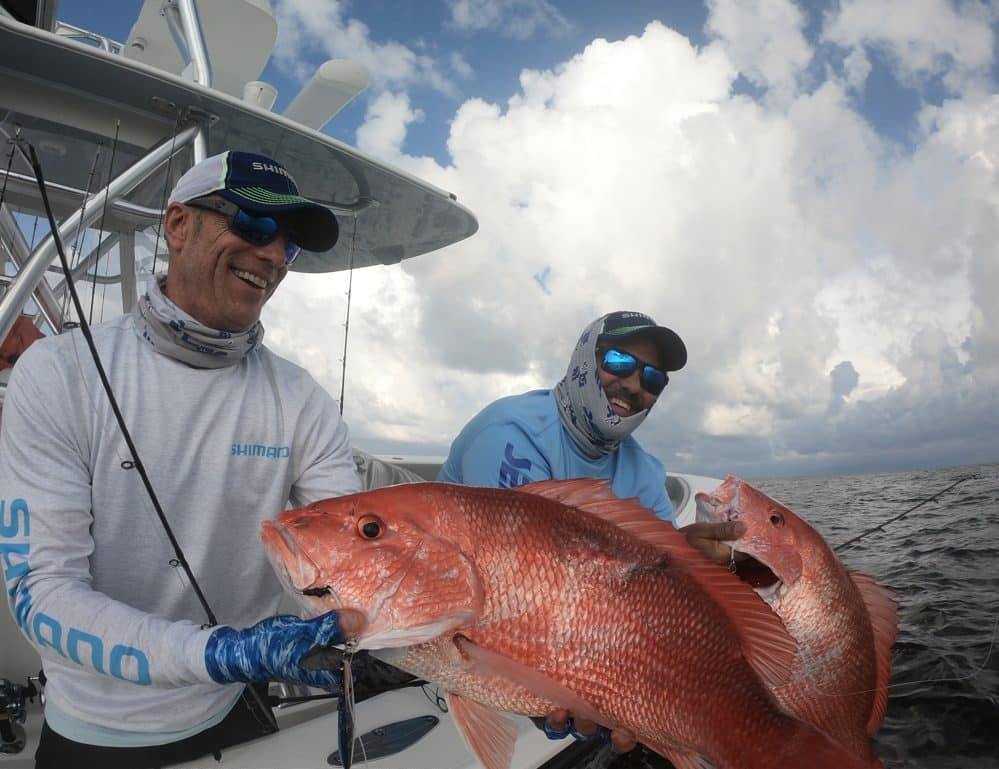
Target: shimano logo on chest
(260,450)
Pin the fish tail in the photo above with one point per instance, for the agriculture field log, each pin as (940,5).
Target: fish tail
(813,748)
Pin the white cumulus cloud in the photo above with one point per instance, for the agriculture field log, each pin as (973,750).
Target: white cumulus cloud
(836,291)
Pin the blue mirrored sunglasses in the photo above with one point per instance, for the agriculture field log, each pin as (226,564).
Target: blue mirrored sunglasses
(624,364)
(253,228)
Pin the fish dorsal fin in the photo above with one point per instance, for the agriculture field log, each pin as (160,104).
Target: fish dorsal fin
(882,606)
(768,646)
(490,735)
(575,492)
(596,496)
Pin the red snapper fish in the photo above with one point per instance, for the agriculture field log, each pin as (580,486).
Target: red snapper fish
(555,595)
(844,622)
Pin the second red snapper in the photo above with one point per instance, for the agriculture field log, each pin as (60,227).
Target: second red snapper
(555,595)
(844,622)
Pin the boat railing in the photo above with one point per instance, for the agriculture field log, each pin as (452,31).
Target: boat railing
(83,209)
(32,273)
(85,36)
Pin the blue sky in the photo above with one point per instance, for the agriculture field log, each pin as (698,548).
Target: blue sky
(806,192)
(496,55)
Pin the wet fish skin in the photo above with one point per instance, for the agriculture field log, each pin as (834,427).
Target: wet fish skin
(555,595)
(844,622)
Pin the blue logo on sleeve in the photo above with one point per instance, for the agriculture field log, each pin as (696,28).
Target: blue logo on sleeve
(124,662)
(513,470)
(14,521)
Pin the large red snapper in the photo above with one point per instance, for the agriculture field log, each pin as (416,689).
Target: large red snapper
(555,595)
(844,622)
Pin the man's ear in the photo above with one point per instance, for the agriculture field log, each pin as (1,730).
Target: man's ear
(177,224)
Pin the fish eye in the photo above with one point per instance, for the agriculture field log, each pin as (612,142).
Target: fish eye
(776,520)
(370,526)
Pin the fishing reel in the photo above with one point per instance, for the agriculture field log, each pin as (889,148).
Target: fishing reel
(13,699)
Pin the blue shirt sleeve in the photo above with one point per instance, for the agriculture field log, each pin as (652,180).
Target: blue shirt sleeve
(500,456)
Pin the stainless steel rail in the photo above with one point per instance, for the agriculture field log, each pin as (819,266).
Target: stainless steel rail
(33,272)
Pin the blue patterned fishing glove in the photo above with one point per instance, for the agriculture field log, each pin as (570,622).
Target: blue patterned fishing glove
(272,650)
(570,728)
(552,733)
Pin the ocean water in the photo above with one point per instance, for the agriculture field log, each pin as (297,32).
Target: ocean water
(942,559)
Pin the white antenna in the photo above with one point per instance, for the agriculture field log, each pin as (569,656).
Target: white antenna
(260,94)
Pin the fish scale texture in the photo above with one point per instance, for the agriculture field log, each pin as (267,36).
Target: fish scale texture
(607,616)
(616,620)
(833,679)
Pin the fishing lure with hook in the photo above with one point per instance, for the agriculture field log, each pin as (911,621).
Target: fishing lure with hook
(345,707)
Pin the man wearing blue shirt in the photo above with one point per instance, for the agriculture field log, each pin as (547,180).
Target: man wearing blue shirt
(582,427)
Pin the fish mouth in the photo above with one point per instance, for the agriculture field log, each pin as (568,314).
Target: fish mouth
(296,572)
(755,573)
(758,576)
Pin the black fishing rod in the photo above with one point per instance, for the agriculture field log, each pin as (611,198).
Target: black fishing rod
(346,322)
(901,515)
(136,462)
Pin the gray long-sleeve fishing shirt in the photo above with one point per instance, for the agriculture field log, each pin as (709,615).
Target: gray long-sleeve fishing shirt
(90,574)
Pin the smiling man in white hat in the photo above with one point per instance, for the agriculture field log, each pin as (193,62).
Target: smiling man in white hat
(229,433)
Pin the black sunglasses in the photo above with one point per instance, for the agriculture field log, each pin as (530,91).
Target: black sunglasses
(624,364)
(253,228)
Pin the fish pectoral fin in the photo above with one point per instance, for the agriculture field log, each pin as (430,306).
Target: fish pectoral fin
(490,663)
(882,606)
(490,735)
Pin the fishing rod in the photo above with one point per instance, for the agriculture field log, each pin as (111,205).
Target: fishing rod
(136,462)
(995,625)
(100,229)
(346,322)
(880,526)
